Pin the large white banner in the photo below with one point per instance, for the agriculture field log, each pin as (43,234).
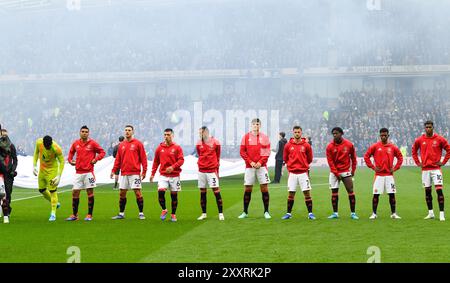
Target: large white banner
(26,179)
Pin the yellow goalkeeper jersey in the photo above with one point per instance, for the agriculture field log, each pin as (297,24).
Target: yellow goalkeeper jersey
(51,160)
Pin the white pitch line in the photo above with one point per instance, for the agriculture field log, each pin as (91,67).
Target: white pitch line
(37,196)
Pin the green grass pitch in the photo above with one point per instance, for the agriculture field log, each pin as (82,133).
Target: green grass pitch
(31,238)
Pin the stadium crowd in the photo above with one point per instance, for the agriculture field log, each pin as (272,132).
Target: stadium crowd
(363,113)
(62,116)
(360,113)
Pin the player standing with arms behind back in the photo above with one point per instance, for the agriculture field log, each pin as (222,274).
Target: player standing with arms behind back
(169,156)
(51,160)
(88,152)
(383,153)
(298,155)
(255,150)
(131,160)
(341,156)
(431,146)
(208,149)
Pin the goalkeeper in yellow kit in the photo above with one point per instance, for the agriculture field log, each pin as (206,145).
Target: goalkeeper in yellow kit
(51,161)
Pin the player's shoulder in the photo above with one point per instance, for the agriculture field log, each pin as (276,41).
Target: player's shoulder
(440,137)
(215,141)
(264,135)
(394,146)
(330,145)
(373,146)
(265,140)
(245,139)
(75,142)
(306,143)
(56,147)
(347,141)
(40,141)
(420,138)
(176,147)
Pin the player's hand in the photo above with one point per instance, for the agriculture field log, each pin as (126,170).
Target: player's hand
(353,174)
(35,171)
(169,170)
(151,179)
(94,161)
(73,163)
(377,169)
(439,163)
(258,165)
(143,177)
(112,176)
(253,164)
(420,165)
(55,181)
(392,170)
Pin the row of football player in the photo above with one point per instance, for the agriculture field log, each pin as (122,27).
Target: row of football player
(342,160)
(131,162)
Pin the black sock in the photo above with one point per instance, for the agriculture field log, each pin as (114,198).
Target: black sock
(393,203)
(203,201)
(122,204)
(290,204)
(441,199)
(219,201)
(352,199)
(429,198)
(247,199)
(75,204)
(90,204)
(309,204)
(174,196)
(335,200)
(266,198)
(8,199)
(162,199)
(375,200)
(140,203)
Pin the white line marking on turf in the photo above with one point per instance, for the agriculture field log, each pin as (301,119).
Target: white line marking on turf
(37,196)
(115,191)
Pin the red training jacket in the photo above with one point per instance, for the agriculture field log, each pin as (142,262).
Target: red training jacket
(130,157)
(430,151)
(86,152)
(166,156)
(298,156)
(340,155)
(208,155)
(255,149)
(383,155)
